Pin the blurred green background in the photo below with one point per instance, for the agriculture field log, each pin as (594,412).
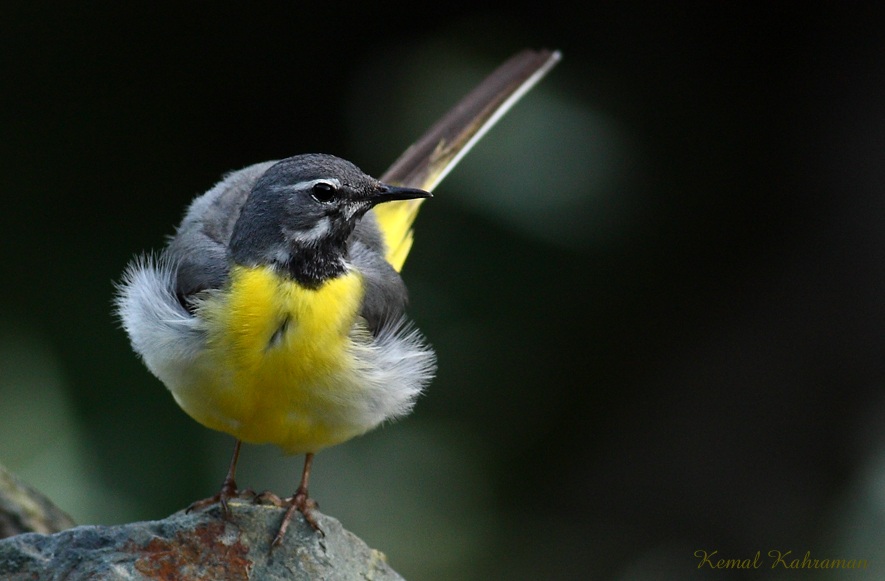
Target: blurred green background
(657,288)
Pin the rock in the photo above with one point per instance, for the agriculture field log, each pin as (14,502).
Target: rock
(23,509)
(199,545)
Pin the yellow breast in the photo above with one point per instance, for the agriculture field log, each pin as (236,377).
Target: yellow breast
(277,366)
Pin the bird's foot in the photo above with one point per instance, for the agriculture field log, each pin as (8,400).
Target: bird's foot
(228,491)
(300,502)
(268,497)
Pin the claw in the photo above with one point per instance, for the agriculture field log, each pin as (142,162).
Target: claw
(227,492)
(300,503)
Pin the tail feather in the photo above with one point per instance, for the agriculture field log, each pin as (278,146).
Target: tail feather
(431,158)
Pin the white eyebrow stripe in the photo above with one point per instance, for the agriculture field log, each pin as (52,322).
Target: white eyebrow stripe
(311,183)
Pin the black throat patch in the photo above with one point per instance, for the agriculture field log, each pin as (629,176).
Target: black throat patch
(312,265)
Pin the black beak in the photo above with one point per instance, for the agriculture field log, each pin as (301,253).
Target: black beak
(386,193)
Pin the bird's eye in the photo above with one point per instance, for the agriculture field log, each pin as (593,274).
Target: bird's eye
(322,192)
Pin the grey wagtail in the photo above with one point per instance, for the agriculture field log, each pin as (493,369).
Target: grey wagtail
(276,312)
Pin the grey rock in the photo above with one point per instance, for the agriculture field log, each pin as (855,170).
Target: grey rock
(198,545)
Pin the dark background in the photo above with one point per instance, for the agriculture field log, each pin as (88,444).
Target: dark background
(657,289)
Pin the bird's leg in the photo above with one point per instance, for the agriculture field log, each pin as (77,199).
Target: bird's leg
(301,502)
(228,487)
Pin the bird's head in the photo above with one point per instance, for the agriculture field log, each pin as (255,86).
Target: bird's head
(304,209)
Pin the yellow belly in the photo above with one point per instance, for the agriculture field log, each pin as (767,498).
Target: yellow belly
(277,367)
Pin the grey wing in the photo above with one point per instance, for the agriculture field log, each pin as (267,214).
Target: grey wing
(152,300)
(198,251)
(385,298)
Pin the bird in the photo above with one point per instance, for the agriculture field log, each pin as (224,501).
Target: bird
(276,312)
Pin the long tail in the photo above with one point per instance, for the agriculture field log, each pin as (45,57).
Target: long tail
(431,158)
